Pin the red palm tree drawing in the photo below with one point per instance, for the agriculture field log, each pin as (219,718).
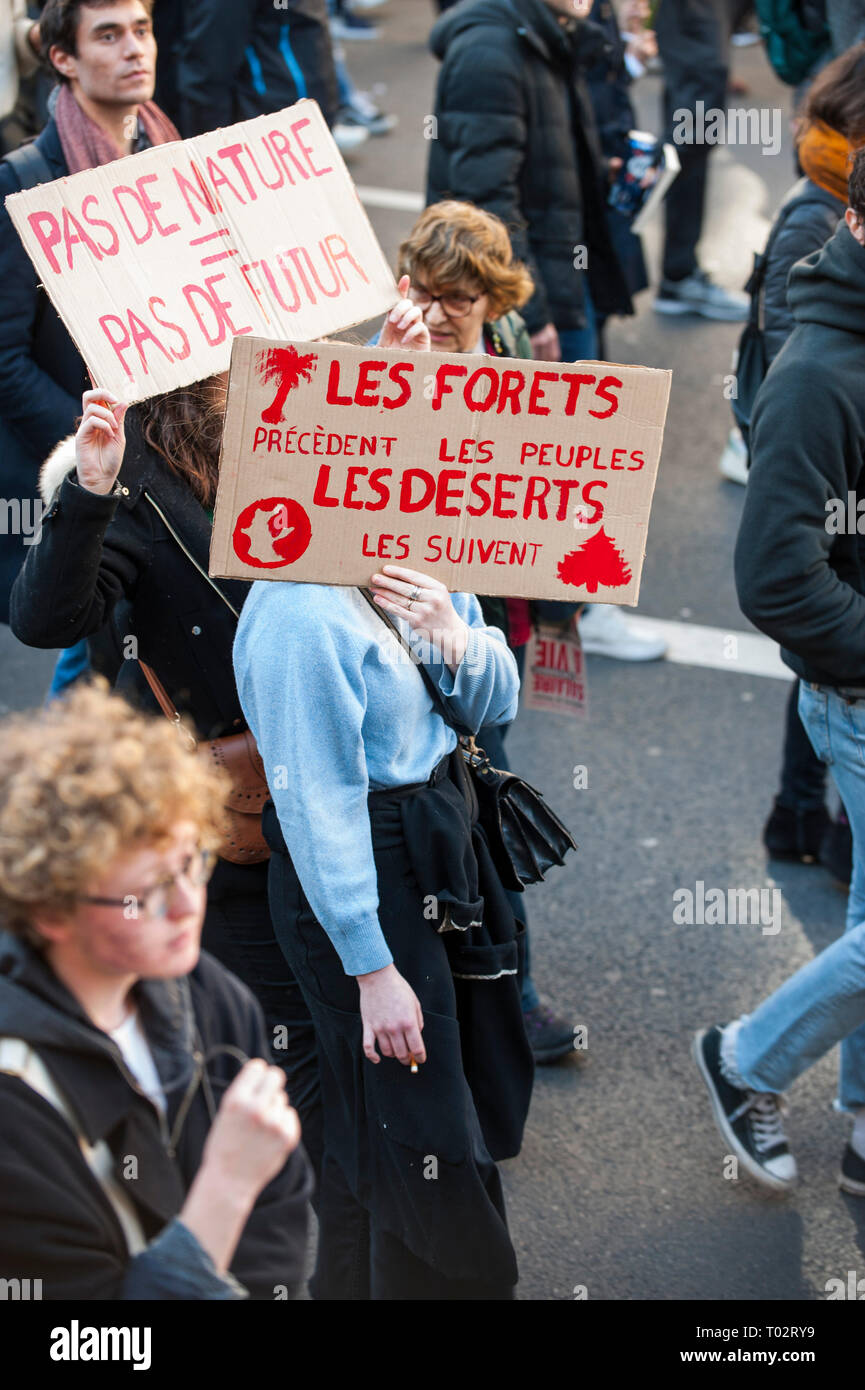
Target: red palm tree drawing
(286,366)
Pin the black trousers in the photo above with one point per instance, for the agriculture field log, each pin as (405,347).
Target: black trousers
(410,1204)
(693,42)
(238,931)
(803,774)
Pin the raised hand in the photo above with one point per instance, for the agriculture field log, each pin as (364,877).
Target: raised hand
(404,326)
(100,441)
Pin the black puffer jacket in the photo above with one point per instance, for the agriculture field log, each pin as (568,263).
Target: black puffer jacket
(97,551)
(804,222)
(516,135)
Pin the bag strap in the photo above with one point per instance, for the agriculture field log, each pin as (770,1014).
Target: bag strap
(18,1058)
(757,278)
(164,700)
(30,165)
(437,697)
(187,552)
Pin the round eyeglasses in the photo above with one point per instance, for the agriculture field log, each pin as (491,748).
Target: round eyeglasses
(196,870)
(454,305)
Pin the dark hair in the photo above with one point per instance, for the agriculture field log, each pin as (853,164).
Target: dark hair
(58,25)
(185,427)
(856,185)
(837,96)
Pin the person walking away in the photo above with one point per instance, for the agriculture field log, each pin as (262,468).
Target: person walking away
(516,135)
(801,582)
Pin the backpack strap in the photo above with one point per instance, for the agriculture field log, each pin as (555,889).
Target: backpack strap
(18,1058)
(755,284)
(30,165)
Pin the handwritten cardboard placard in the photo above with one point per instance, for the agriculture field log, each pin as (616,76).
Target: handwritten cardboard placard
(497,476)
(157,261)
(555,672)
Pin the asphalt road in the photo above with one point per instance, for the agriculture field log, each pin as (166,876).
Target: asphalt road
(620,1187)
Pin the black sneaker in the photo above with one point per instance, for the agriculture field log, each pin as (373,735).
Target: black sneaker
(796,835)
(549,1037)
(748,1121)
(852,1179)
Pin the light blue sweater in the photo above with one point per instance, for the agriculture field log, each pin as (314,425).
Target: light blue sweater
(338,709)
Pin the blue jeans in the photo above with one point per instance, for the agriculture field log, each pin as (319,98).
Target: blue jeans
(581,344)
(824,1002)
(71,664)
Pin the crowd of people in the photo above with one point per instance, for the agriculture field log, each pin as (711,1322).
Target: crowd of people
(184,1080)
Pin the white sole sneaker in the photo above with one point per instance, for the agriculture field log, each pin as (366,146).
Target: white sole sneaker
(642,649)
(705,311)
(756,1171)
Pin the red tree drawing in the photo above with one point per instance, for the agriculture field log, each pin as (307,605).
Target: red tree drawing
(286,366)
(596,562)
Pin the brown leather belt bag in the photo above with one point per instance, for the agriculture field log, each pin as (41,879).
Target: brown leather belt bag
(243,842)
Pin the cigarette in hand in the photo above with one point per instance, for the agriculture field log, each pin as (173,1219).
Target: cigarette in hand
(412,1063)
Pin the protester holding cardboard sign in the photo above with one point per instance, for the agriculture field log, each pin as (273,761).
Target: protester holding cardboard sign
(387,904)
(104,56)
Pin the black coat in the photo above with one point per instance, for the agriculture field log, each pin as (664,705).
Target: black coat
(55,1223)
(42,374)
(800,578)
(515,134)
(97,551)
(235,59)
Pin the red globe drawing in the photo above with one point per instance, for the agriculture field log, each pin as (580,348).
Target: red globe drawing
(272,532)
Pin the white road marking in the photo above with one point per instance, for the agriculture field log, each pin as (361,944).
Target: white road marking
(689,644)
(395,199)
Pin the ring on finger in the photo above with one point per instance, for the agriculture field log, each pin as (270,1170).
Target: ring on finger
(415,594)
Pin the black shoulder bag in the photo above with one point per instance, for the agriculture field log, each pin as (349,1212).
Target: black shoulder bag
(524,836)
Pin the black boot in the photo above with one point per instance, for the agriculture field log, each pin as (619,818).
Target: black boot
(797,835)
(836,851)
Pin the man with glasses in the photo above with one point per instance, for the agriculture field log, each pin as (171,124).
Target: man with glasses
(123,1049)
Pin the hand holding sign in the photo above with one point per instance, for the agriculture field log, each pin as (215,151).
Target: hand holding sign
(426,605)
(404,326)
(100,441)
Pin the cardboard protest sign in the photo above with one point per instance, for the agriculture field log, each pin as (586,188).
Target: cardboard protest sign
(157,261)
(496,476)
(555,672)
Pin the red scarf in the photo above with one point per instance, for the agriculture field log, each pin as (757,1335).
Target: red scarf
(87,146)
